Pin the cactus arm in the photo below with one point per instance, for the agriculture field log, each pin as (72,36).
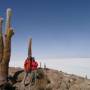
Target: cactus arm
(8,36)
(8,19)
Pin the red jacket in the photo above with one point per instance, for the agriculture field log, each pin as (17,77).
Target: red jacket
(34,65)
(28,65)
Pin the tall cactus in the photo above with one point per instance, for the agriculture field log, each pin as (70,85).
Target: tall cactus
(30,48)
(5,47)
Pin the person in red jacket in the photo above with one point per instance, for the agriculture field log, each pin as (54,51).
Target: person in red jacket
(34,64)
(30,65)
(27,68)
(34,70)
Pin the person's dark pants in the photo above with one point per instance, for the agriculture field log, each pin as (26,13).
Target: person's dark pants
(33,75)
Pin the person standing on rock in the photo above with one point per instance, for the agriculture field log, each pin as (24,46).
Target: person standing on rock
(34,69)
(30,67)
(27,68)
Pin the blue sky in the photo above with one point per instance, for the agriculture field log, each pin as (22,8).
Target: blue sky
(59,28)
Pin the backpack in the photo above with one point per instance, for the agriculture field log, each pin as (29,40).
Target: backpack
(34,65)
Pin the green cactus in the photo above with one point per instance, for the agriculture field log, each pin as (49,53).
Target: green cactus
(5,47)
(30,48)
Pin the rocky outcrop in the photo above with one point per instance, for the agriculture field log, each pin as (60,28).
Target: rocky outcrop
(49,79)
